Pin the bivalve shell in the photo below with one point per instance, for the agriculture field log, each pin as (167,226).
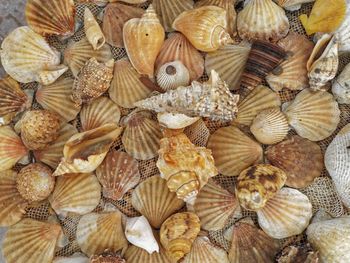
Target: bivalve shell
(135,254)
(173,75)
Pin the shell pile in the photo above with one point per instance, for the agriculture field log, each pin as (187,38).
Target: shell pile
(175,131)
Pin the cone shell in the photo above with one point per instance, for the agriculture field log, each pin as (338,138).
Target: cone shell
(301,159)
(292,72)
(31,241)
(313,115)
(286,214)
(233,151)
(292,5)
(177,47)
(92,30)
(173,75)
(51,17)
(205,27)
(178,233)
(143,39)
(263,20)
(270,126)
(98,232)
(341,86)
(138,255)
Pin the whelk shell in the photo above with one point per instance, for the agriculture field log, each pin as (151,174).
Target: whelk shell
(92,30)
(292,5)
(175,121)
(173,75)
(341,86)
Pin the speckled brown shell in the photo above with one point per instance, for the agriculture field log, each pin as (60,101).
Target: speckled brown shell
(107,257)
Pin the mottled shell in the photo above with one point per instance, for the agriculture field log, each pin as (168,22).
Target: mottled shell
(143,39)
(205,27)
(51,17)
(286,214)
(172,75)
(153,199)
(175,121)
(106,257)
(301,159)
(298,253)
(92,30)
(178,233)
(138,255)
(118,173)
(233,151)
(292,5)
(313,115)
(341,86)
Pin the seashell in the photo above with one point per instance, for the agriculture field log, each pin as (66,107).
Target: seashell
(205,27)
(169,10)
(139,233)
(78,53)
(229,62)
(211,99)
(343,33)
(292,5)
(75,193)
(303,253)
(129,1)
(178,233)
(25,54)
(72,259)
(175,121)
(153,199)
(313,115)
(186,168)
(233,151)
(292,72)
(301,159)
(173,75)
(215,206)
(262,20)
(341,86)
(118,173)
(107,257)
(270,126)
(51,17)
(257,184)
(98,232)
(47,77)
(92,30)
(177,47)
(31,241)
(286,214)
(39,128)
(143,38)
(139,255)
(11,148)
(12,204)
(262,59)
(115,16)
(85,151)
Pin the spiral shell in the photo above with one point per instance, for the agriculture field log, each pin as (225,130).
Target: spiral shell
(173,75)
(92,30)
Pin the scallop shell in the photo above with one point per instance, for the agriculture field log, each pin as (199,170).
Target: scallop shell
(233,151)
(75,193)
(153,199)
(286,214)
(229,62)
(143,38)
(98,232)
(178,233)
(341,86)
(313,115)
(92,30)
(177,47)
(173,75)
(175,121)
(118,173)
(292,5)
(292,72)
(139,255)
(301,159)
(31,241)
(205,27)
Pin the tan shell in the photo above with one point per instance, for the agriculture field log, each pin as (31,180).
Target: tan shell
(301,159)
(286,214)
(173,75)
(300,253)
(92,30)
(233,151)
(51,17)
(341,86)
(138,255)
(205,27)
(175,121)
(118,173)
(313,115)
(143,39)
(178,233)
(75,258)
(106,257)
(49,76)
(292,5)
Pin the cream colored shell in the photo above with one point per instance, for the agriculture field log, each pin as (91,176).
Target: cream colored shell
(341,86)
(172,75)
(92,30)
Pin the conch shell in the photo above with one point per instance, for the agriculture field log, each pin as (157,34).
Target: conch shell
(341,86)
(93,31)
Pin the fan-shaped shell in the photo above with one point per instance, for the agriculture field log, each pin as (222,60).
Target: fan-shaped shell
(292,5)
(92,30)
(173,75)
(138,255)
(341,86)
(313,115)
(286,214)
(233,151)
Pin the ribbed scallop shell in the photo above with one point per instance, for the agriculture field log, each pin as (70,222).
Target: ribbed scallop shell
(341,86)
(314,115)
(98,232)
(173,75)
(92,30)
(177,47)
(270,126)
(262,19)
(126,86)
(153,199)
(118,173)
(31,241)
(287,214)
(233,151)
(138,255)
(292,5)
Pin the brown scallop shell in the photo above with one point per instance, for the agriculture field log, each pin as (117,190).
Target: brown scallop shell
(135,254)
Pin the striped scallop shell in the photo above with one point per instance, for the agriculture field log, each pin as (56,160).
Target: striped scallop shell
(233,151)
(286,214)
(135,254)
(75,193)
(173,75)
(314,115)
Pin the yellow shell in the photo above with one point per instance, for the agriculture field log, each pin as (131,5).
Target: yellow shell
(92,30)
(135,254)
